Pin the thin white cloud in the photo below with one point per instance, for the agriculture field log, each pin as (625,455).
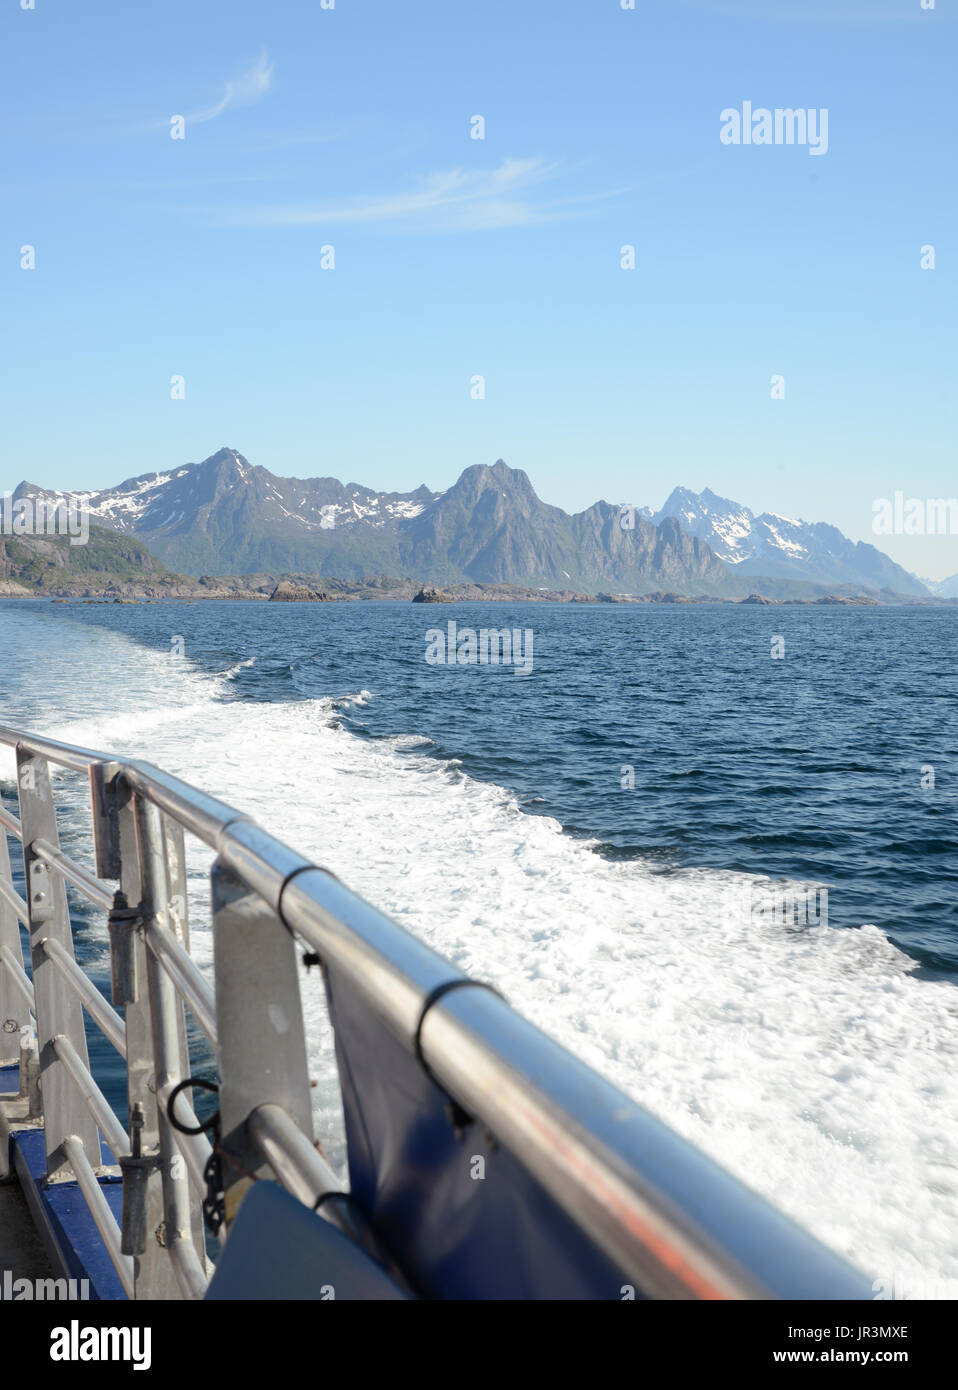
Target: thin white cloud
(456,199)
(246,89)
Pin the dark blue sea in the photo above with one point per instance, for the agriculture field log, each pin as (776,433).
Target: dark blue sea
(809,766)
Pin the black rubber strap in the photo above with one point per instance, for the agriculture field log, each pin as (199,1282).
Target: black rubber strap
(295,873)
(332,1192)
(432,998)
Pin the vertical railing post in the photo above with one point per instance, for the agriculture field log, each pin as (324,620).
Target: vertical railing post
(153,1274)
(14,1013)
(181,1211)
(174,842)
(259,1022)
(59,1012)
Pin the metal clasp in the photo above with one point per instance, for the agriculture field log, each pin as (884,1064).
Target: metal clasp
(122,923)
(136,1169)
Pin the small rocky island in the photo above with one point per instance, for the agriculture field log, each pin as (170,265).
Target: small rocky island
(430,594)
(297,593)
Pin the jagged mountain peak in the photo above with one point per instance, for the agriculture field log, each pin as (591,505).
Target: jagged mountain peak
(496,484)
(781,546)
(704,502)
(499,471)
(944,588)
(224,454)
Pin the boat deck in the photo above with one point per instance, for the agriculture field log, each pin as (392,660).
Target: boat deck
(21,1250)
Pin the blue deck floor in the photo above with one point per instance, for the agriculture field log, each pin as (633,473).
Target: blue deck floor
(47,1231)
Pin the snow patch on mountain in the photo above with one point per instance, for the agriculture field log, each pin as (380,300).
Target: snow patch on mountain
(783,546)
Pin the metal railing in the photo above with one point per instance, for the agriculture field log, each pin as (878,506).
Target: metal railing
(662,1213)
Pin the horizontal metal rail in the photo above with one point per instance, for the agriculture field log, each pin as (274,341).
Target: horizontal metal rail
(18,975)
(96,1102)
(9,820)
(62,754)
(108,1020)
(103,1217)
(81,878)
(657,1207)
(300,1169)
(196,992)
(11,896)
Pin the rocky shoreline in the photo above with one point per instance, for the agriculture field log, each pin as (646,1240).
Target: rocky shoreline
(311,588)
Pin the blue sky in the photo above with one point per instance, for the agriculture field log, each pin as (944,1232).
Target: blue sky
(500,257)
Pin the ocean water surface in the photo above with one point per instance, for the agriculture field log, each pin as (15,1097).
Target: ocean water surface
(585,838)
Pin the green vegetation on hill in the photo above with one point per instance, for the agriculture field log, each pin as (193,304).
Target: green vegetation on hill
(50,564)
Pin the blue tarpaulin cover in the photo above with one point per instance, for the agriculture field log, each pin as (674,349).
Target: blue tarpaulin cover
(454,1234)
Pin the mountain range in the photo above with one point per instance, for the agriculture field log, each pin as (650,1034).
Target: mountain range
(227,516)
(943,588)
(783,546)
